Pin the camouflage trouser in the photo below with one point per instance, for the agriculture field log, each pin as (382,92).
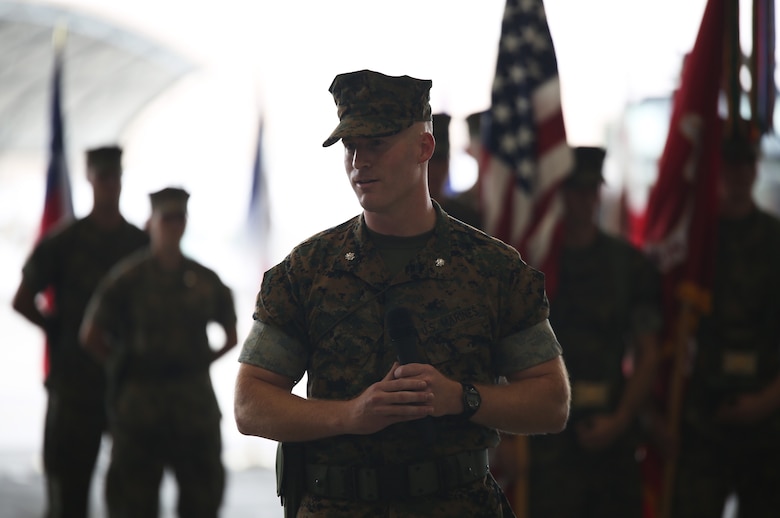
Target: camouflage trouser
(73,431)
(709,470)
(138,461)
(480,499)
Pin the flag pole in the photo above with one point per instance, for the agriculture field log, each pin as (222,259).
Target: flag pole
(694,301)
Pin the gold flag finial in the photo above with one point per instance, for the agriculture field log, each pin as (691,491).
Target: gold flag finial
(60,35)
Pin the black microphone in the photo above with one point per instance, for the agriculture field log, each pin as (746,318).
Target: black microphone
(403,336)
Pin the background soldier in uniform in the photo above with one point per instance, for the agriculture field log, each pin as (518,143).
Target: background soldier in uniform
(71,260)
(731,415)
(607,310)
(148,321)
(402,279)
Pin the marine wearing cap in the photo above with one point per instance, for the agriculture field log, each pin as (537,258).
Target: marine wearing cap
(588,163)
(371,104)
(170,200)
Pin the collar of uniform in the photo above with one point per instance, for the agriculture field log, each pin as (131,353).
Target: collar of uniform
(359,255)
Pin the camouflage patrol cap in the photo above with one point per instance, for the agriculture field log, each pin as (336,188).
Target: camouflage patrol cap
(105,158)
(588,162)
(170,199)
(441,133)
(371,104)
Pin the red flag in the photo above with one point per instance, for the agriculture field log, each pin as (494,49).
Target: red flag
(526,153)
(680,219)
(58,204)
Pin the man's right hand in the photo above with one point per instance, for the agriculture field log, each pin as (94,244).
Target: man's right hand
(390,401)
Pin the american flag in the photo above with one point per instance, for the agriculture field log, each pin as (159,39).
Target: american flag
(58,204)
(526,152)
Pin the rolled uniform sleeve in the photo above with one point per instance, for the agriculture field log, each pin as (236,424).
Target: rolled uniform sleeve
(528,339)
(527,348)
(270,348)
(276,341)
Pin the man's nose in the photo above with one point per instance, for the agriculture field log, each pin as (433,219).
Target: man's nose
(360,159)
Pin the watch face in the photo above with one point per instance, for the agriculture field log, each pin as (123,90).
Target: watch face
(471,399)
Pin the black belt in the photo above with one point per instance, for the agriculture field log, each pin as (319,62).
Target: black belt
(393,482)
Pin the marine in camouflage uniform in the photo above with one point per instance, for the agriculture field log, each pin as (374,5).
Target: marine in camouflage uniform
(605,311)
(478,313)
(71,260)
(163,411)
(731,413)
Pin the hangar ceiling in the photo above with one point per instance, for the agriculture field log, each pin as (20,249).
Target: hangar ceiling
(109,75)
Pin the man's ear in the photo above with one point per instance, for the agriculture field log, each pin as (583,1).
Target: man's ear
(427,145)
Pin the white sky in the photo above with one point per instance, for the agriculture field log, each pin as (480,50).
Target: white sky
(279,58)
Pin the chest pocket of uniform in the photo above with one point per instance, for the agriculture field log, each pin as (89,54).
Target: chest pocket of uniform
(344,361)
(459,342)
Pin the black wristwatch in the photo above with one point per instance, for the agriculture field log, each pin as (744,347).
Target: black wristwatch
(471,400)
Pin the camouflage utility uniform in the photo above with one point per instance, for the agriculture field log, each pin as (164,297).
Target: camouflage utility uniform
(163,410)
(607,292)
(478,311)
(72,260)
(738,351)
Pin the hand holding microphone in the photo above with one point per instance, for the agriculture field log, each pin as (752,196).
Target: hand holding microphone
(403,336)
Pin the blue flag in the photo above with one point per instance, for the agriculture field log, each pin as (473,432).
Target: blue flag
(259,219)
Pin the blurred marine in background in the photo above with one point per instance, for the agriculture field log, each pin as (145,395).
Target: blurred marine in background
(148,322)
(71,260)
(606,313)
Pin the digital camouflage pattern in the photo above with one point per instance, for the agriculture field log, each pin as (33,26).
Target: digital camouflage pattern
(371,104)
(737,351)
(607,293)
(163,408)
(480,499)
(476,308)
(72,259)
(738,343)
